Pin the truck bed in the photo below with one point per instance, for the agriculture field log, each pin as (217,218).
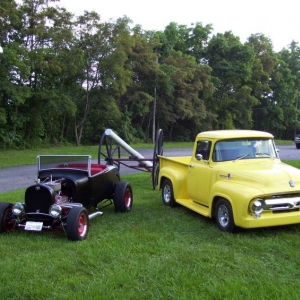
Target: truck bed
(183,160)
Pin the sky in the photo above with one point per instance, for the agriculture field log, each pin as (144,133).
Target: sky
(277,19)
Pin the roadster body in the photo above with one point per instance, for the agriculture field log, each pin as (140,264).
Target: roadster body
(67,187)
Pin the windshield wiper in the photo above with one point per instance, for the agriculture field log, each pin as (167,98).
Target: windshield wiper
(261,154)
(241,157)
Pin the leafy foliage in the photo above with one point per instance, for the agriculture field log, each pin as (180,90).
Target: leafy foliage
(66,78)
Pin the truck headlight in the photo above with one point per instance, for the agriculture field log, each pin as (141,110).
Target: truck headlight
(18,209)
(55,210)
(257,208)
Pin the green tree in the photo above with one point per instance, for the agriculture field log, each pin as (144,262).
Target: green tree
(181,86)
(286,91)
(13,76)
(103,78)
(44,32)
(263,70)
(138,101)
(231,64)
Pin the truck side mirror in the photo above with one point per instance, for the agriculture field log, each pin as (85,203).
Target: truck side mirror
(199,156)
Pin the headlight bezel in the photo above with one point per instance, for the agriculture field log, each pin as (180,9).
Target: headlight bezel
(55,211)
(18,209)
(257,207)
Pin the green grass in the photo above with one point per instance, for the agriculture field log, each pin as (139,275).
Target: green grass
(152,252)
(284,142)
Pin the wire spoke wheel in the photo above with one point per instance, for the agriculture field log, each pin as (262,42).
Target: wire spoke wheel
(109,151)
(158,150)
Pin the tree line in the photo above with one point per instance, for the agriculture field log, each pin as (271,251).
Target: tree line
(66,78)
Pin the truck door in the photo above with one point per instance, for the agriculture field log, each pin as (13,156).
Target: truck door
(199,173)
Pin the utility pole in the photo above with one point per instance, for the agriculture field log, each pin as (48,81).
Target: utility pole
(154,107)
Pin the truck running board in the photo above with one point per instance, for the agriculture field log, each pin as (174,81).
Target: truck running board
(203,210)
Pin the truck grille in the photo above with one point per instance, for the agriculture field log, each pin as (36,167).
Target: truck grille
(283,203)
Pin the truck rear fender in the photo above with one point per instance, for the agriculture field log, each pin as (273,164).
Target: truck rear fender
(178,180)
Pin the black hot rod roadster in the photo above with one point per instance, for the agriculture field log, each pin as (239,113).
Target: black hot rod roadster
(67,186)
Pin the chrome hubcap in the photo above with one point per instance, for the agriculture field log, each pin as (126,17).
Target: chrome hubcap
(167,193)
(223,215)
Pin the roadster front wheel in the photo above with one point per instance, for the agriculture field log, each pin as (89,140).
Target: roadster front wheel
(77,224)
(7,220)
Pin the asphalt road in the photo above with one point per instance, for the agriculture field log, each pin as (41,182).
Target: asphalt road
(24,176)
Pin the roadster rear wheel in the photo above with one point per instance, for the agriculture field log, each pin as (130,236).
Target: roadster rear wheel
(77,223)
(123,197)
(7,220)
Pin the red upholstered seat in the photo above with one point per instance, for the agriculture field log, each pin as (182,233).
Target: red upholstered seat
(95,168)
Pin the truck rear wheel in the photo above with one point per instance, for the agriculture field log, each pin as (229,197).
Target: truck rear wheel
(224,216)
(167,193)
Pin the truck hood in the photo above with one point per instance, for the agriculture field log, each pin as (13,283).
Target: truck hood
(267,175)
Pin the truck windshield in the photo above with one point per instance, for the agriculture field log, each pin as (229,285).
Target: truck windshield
(235,149)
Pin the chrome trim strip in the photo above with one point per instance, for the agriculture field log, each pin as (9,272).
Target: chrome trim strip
(282,204)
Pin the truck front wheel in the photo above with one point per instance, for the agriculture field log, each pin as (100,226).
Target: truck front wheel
(167,193)
(224,216)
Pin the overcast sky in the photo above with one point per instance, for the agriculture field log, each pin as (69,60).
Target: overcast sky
(277,19)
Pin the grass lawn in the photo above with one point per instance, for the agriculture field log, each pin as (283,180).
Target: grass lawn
(152,252)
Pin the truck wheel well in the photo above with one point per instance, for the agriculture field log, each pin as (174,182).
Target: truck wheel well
(161,181)
(213,206)
(215,200)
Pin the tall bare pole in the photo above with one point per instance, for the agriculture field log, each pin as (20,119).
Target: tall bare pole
(154,107)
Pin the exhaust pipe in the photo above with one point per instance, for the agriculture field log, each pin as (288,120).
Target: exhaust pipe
(140,158)
(95,214)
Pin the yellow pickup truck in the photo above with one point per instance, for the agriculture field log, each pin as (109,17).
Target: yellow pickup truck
(235,176)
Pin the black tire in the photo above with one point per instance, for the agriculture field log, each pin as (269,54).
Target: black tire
(123,197)
(224,216)
(77,223)
(7,220)
(298,146)
(167,193)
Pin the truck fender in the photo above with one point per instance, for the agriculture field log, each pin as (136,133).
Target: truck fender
(239,197)
(178,181)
